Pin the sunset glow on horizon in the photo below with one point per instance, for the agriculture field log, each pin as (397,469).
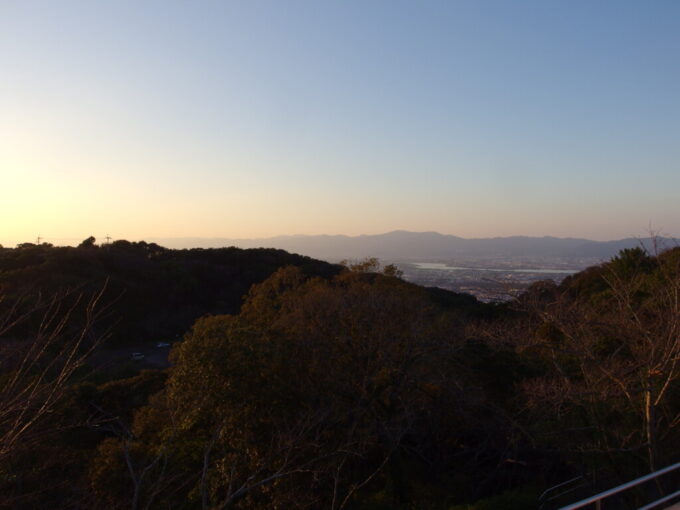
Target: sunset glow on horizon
(257,119)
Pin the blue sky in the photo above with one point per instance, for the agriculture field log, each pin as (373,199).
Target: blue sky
(251,119)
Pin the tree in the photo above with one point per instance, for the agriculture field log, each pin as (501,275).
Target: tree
(305,398)
(44,345)
(615,355)
(37,369)
(372,265)
(88,243)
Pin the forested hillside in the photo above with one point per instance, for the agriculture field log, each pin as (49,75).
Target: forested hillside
(151,292)
(299,384)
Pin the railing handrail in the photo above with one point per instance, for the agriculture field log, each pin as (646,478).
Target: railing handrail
(621,488)
(661,501)
(555,487)
(549,495)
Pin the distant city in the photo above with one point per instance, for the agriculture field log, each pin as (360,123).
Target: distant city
(492,269)
(490,280)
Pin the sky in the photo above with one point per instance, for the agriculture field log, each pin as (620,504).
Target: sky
(260,118)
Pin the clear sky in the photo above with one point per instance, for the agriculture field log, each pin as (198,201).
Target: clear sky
(252,118)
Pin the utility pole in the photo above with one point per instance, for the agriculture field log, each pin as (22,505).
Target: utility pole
(108,239)
(37,241)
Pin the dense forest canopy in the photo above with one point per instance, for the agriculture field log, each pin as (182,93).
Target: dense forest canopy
(156,292)
(300,384)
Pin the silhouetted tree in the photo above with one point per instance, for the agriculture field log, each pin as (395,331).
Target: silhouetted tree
(88,243)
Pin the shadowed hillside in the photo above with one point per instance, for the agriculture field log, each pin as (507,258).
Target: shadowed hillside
(154,293)
(324,386)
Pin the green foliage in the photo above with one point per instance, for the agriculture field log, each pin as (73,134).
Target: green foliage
(372,265)
(121,397)
(319,386)
(152,293)
(631,262)
(332,388)
(606,338)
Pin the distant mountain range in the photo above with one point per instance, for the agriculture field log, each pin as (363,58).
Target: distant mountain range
(425,246)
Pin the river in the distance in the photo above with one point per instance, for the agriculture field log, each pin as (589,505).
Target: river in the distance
(438,266)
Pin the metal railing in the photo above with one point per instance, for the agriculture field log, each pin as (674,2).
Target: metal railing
(598,498)
(560,490)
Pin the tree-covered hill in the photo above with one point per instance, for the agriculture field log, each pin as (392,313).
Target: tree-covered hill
(151,293)
(299,384)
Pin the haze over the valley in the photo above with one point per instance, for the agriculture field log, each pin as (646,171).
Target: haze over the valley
(491,269)
(413,246)
(339,254)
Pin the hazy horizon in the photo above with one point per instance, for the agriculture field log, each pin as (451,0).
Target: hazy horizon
(301,357)
(257,119)
(101,239)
